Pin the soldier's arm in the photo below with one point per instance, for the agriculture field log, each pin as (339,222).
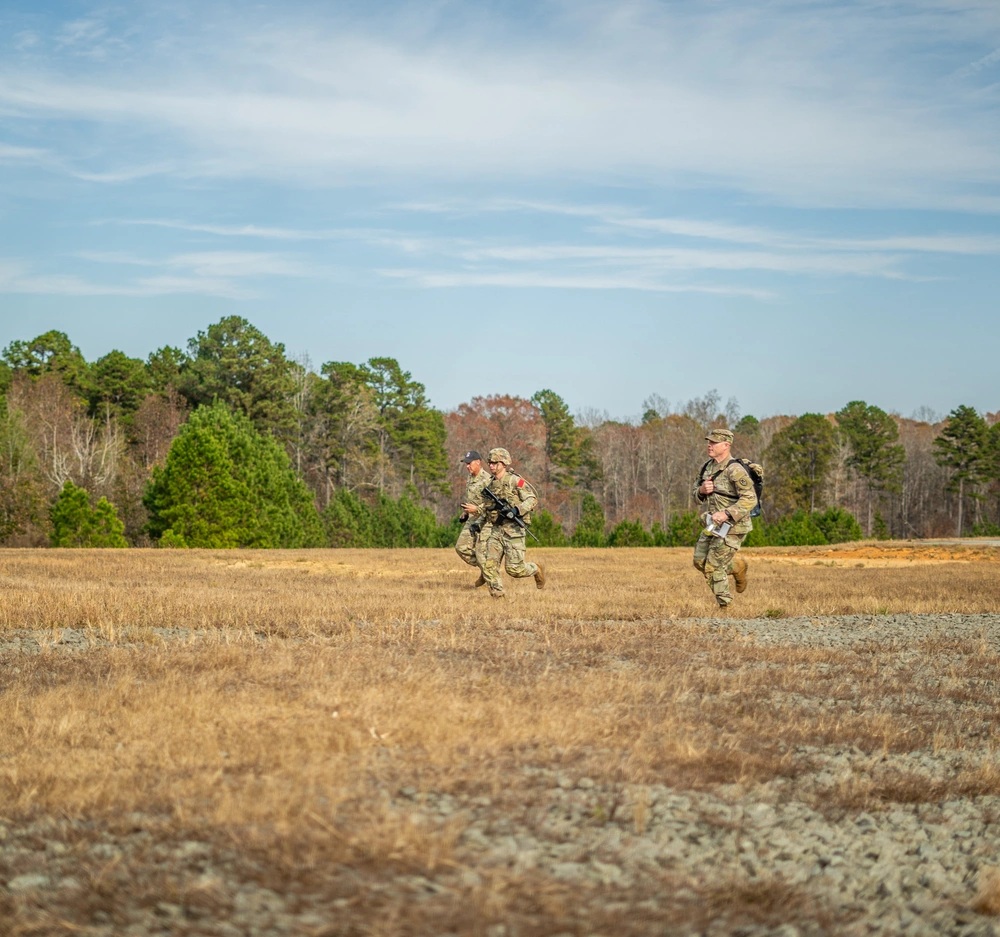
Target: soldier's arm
(744,486)
(474,495)
(526,497)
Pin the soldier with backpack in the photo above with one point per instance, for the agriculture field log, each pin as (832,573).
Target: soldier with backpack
(729,489)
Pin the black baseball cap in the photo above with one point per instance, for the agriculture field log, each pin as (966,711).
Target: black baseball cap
(470,456)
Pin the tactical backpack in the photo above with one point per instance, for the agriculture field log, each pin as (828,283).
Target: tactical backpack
(754,470)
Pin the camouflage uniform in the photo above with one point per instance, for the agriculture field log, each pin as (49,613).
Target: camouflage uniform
(734,493)
(504,539)
(470,542)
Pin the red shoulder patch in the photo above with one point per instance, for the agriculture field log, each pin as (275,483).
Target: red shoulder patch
(520,483)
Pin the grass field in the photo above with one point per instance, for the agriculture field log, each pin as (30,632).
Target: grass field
(322,591)
(314,686)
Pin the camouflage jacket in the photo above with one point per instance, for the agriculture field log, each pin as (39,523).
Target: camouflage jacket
(474,486)
(518,492)
(734,493)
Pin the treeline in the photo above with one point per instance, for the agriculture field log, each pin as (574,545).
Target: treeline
(120,428)
(231,442)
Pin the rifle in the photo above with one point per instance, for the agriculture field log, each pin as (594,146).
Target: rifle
(508,512)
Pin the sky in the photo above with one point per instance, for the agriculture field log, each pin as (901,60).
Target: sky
(794,203)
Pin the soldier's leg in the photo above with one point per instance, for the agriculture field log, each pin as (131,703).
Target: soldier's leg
(466,545)
(481,537)
(492,557)
(740,572)
(481,541)
(701,552)
(513,551)
(718,566)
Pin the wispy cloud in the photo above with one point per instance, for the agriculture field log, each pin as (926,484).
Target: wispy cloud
(10,153)
(623,218)
(215,263)
(244,230)
(801,103)
(985,62)
(572,281)
(18,277)
(225,274)
(675,254)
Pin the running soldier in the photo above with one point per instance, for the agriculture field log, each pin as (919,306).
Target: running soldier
(470,544)
(505,539)
(726,488)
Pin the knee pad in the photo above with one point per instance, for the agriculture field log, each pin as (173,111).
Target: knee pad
(699,565)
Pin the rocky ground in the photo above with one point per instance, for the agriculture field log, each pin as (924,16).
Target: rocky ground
(564,854)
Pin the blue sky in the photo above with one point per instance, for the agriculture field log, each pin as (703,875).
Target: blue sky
(795,203)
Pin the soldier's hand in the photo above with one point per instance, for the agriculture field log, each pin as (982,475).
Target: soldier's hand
(470,508)
(707,487)
(720,517)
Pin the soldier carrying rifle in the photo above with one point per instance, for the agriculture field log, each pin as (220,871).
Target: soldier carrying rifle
(509,500)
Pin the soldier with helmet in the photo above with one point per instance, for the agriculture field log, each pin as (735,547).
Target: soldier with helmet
(505,540)
(470,542)
(727,490)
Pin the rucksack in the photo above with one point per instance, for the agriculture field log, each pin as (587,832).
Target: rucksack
(754,470)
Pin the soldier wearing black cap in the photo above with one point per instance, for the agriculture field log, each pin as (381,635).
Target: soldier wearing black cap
(726,489)
(469,547)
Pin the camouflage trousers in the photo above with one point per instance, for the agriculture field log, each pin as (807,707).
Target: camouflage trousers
(470,544)
(502,544)
(713,557)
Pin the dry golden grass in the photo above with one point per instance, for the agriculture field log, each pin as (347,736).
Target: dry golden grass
(326,681)
(988,898)
(314,591)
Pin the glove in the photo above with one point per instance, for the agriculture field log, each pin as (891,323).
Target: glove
(511,513)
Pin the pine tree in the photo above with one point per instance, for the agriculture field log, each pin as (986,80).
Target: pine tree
(226,485)
(799,459)
(548,531)
(411,433)
(234,362)
(590,531)
(164,367)
(871,434)
(562,438)
(50,353)
(70,516)
(630,534)
(119,383)
(963,446)
(106,528)
(76,524)
(838,525)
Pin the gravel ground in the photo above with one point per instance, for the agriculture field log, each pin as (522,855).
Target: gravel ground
(627,858)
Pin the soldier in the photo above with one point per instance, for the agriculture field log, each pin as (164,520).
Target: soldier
(470,544)
(726,488)
(505,540)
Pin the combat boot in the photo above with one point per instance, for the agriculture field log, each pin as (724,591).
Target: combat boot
(540,576)
(481,581)
(497,594)
(740,573)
